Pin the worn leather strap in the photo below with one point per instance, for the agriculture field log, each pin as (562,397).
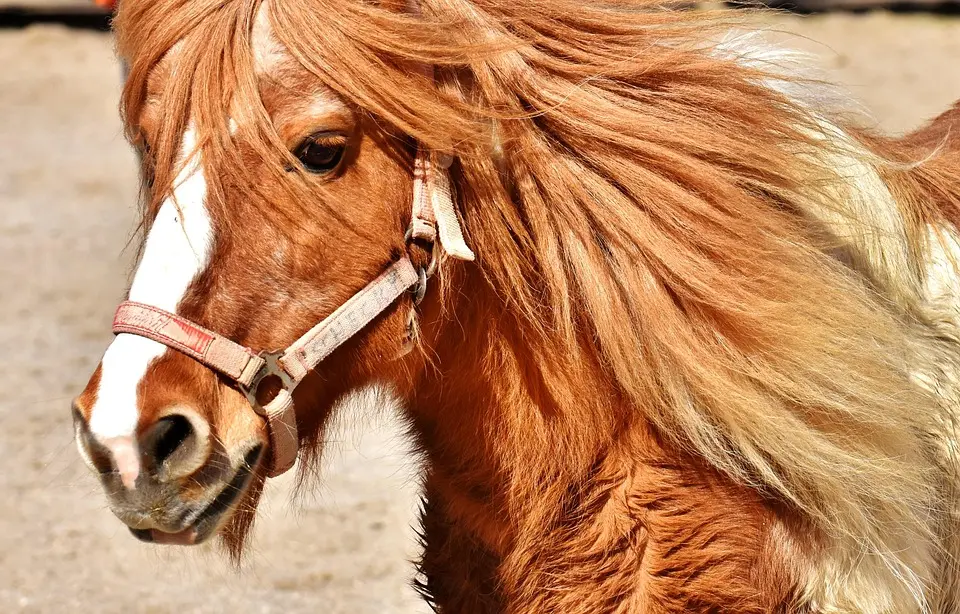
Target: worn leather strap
(448,225)
(434,214)
(206,347)
(282,427)
(423,224)
(321,340)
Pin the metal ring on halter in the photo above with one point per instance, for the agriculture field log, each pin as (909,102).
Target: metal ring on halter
(271,367)
(419,290)
(408,238)
(432,267)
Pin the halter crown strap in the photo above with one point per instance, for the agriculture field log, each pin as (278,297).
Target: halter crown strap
(433,209)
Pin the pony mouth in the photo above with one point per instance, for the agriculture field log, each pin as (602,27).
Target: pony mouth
(204,522)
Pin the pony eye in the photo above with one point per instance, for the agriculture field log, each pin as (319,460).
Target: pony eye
(321,153)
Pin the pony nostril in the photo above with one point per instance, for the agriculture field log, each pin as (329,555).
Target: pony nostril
(176,446)
(171,432)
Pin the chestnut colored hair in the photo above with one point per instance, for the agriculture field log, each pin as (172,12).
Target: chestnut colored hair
(658,220)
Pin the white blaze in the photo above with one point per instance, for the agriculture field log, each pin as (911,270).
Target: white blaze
(176,251)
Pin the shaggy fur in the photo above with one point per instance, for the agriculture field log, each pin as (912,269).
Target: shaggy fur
(707,358)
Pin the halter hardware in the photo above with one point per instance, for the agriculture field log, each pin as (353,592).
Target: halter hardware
(419,290)
(271,368)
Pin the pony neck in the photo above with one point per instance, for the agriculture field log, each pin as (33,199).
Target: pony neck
(531,460)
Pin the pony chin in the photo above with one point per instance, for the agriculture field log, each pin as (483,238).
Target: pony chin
(236,530)
(366,401)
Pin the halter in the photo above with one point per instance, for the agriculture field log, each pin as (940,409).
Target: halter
(433,218)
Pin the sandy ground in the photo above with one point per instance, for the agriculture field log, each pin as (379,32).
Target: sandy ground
(67,188)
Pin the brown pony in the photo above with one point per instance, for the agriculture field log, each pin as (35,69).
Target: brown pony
(706,358)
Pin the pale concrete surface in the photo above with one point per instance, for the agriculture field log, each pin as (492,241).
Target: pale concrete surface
(67,188)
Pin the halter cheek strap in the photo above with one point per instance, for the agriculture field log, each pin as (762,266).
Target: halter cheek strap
(433,217)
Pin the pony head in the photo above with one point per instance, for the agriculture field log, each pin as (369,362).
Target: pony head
(273,201)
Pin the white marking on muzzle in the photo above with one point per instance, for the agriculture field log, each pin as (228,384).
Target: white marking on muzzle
(177,250)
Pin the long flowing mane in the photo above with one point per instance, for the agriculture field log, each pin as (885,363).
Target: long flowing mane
(649,208)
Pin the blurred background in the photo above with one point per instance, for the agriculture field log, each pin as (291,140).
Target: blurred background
(68,191)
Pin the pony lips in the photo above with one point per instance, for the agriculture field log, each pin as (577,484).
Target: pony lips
(187,537)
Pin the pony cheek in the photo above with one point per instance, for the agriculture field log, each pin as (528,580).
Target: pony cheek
(237,425)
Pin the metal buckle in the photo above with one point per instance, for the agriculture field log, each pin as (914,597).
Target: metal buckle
(271,367)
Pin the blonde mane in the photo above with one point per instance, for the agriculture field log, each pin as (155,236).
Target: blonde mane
(657,219)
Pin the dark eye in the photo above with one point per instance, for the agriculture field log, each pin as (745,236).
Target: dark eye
(321,153)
